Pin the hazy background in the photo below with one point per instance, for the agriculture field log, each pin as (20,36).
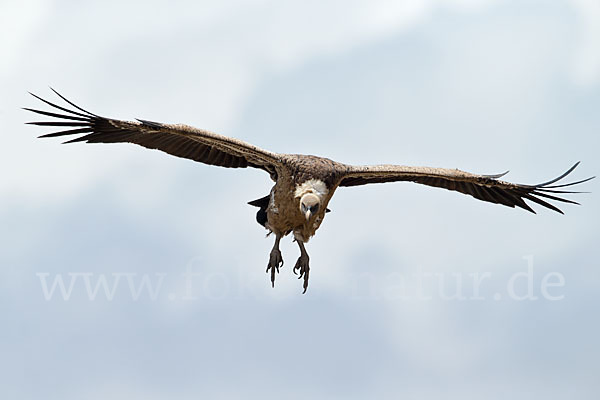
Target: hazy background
(482,86)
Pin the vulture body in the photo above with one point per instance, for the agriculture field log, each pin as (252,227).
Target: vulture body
(304,184)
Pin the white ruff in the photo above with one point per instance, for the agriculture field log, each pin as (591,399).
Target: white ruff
(311,186)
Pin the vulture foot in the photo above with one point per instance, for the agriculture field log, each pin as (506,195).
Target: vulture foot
(302,266)
(275,262)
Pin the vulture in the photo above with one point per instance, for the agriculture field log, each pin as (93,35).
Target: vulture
(304,184)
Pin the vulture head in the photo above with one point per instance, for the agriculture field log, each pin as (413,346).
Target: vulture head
(309,205)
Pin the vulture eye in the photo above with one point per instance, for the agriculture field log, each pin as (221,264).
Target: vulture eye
(314,208)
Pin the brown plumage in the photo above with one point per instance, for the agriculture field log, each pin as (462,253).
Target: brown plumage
(304,184)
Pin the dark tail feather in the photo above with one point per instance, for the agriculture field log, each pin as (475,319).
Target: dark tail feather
(263,202)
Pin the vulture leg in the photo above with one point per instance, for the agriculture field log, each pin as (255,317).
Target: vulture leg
(275,260)
(302,265)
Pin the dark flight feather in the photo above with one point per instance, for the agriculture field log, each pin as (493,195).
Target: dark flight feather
(482,187)
(178,140)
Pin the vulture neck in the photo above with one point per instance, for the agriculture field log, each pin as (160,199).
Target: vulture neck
(314,186)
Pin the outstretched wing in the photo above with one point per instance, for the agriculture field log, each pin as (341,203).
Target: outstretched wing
(179,140)
(482,187)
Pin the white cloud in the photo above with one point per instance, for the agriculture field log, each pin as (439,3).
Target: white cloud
(586,63)
(17,22)
(139,205)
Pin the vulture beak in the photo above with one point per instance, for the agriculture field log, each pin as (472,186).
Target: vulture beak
(308,214)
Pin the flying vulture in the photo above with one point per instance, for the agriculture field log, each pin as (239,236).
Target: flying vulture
(304,184)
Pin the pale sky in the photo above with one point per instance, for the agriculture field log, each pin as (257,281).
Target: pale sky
(484,86)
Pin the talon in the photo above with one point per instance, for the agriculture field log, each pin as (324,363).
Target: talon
(275,262)
(303,268)
(305,281)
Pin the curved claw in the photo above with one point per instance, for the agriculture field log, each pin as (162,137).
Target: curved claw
(275,262)
(302,266)
(305,285)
